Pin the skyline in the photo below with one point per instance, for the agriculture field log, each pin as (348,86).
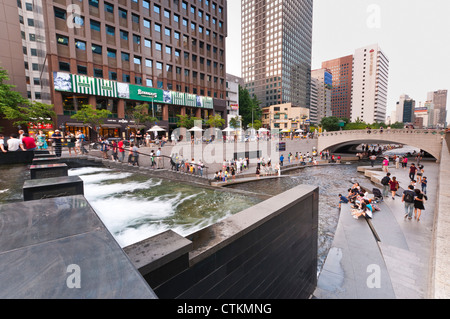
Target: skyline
(406,30)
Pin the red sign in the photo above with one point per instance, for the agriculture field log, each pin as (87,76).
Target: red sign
(40,126)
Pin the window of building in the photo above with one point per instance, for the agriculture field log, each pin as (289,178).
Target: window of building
(125,57)
(82,69)
(80,45)
(60,13)
(63,66)
(109,7)
(95,25)
(111,53)
(97,49)
(112,75)
(61,39)
(110,30)
(149,82)
(29,6)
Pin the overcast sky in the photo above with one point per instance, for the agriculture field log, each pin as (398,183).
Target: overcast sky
(413,34)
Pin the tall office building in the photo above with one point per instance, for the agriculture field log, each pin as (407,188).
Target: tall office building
(341,98)
(276,50)
(439,99)
(405,109)
(321,92)
(370,85)
(116,54)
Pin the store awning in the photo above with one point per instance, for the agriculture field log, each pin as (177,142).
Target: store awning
(76,124)
(111,126)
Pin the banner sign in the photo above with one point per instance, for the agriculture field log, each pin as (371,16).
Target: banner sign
(95,86)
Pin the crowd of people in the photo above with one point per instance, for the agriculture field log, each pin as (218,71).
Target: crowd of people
(414,196)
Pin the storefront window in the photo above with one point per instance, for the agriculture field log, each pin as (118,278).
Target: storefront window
(107,104)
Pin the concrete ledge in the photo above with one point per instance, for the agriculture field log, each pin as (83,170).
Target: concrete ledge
(210,240)
(167,248)
(41,240)
(52,187)
(441,276)
(48,171)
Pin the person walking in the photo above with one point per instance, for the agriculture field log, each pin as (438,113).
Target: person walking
(386,165)
(424,185)
(397,162)
(372,159)
(420,171)
(405,162)
(393,185)
(412,171)
(408,199)
(385,182)
(419,201)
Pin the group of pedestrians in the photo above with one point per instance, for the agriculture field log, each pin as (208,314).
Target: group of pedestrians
(414,196)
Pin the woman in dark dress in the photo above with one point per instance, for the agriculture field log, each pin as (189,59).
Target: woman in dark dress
(418,203)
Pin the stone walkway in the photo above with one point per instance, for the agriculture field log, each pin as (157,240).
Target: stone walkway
(387,257)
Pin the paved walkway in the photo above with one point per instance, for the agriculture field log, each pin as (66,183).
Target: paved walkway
(388,257)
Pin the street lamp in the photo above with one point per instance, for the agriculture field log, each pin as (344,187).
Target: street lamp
(153,95)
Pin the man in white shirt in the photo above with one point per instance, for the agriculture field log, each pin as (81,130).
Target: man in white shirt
(158,158)
(14,143)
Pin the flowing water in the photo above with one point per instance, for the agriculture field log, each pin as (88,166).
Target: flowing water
(134,207)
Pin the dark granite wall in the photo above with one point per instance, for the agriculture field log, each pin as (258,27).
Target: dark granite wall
(276,260)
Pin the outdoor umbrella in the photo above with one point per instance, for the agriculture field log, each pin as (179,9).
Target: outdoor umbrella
(229,129)
(156,128)
(196,129)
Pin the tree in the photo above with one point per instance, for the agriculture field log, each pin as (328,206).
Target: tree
(215,121)
(330,124)
(139,114)
(186,121)
(34,113)
(235,122)
(248,107)
(95,118)
(16,108)
(257,124)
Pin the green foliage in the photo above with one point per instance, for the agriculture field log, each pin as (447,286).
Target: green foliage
(140,115)
(215,121)
(8,97)
(257,124)
(34,112)
(186,121)
(330,124)
(248,106)
(93,117)
(21,111)
(235,122)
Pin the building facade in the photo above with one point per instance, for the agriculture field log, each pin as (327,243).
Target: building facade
(276,50)
(439,100)
(233,83)
(321,107)
(405,109)
(116,54)
(370,85)
(285,117)
(341,98)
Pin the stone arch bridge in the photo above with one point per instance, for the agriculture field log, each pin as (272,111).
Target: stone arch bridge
(428,140)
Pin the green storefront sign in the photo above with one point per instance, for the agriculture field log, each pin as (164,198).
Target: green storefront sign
(95,86)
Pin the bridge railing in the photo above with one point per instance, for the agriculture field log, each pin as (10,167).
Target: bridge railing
(386,131)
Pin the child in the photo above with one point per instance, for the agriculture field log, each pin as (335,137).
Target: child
(424,184)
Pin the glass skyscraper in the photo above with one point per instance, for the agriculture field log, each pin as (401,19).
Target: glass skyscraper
(276,50)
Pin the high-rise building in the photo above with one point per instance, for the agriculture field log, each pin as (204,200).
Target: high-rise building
(322,80)
(370,85)
(439,99)
(405,109)
(233,83)
(276,50)
(117,54)
(341,98)
(31,18)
